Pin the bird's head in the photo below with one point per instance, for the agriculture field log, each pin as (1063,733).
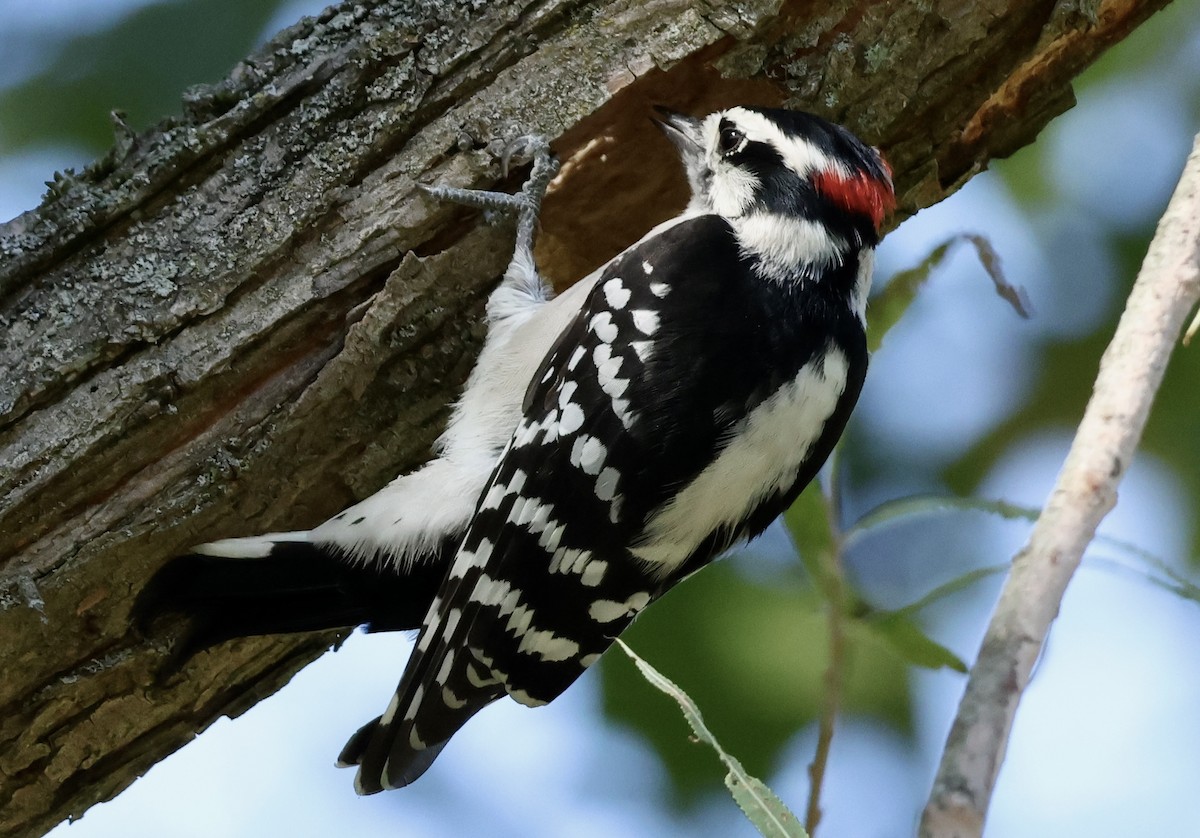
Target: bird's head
(797,188)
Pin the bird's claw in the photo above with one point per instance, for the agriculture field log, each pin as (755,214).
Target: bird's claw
(526,203)
(526,148)
(530,147)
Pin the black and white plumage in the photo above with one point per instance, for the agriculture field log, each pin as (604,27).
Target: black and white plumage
(674,403)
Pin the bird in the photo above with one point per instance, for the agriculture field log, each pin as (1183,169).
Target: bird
(609,442)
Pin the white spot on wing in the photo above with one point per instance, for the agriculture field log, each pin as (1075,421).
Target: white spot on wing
(520,620)
(548,646)
(531,514)
(646,321)
(495,494)
(489,591)
(588,454)
(616,293)
(551,537)
(467,559)
(568,559)
(525,698)
(642,349)
(550,425)
(621,408)
(525,434)
(579,561)
(603,326)
(509,602)
(566,392)
(452,618)
(607,367)
(477,680)
(593,574)
(410,712)
(606,483)
(659,289)
(447,665)
(541,518)
(430,628)
(571,421)
(518,509)
(607,610)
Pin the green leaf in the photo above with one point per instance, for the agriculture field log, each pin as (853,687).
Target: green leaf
(906,638)
(761,805)
(753,651)
(1176,584)
(807,520)
(902,509)
(955,585)
(889,305)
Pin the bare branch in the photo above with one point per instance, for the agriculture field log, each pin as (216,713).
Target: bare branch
(1166,290)
(834,591)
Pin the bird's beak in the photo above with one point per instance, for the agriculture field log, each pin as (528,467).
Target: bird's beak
(683,131)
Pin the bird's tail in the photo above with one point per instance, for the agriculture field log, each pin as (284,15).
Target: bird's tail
(283,583)
(391,751)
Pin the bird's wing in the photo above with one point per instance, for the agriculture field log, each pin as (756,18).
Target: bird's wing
(544,579)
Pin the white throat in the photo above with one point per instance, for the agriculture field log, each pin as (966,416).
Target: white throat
(785,246)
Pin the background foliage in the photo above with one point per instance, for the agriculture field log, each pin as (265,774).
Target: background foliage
(964,399)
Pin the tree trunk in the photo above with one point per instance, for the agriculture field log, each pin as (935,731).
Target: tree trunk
(250,317)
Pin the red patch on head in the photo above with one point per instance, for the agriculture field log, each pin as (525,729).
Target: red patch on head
(859,193)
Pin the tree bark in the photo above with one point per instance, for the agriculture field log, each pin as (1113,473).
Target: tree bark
(249,317)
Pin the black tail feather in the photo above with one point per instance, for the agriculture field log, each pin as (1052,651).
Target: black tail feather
(373,774)
(298,587)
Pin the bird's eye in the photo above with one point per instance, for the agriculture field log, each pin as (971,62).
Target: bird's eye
(731,140)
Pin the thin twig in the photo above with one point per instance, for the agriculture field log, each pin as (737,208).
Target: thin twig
(1166,290)
(834,590)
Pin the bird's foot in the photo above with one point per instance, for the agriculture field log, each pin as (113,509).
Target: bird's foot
(526,203)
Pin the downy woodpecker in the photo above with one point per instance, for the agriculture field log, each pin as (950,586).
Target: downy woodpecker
(610,441)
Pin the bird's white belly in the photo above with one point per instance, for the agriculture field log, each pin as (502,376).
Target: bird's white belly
(766,451)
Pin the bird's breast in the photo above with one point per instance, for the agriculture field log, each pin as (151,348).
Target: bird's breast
(761,456)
